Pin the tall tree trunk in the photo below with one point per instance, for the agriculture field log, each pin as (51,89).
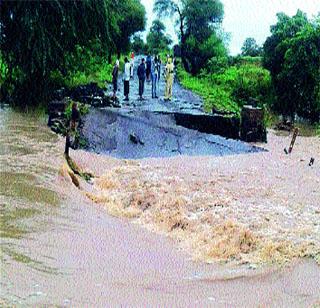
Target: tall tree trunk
(183,44)
(183,58)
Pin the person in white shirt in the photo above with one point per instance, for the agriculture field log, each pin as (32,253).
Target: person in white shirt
(126,78)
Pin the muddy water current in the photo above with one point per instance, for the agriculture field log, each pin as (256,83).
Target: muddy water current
(60,249)
(28,191)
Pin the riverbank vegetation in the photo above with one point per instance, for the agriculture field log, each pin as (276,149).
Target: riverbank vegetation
(292,54)
(228,89)
(3,70)
(84,66)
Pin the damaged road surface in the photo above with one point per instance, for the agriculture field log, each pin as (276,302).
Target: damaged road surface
(156,128)
(135,134)
(150,127)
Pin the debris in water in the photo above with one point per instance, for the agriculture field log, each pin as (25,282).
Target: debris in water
(294,137)
(135,139)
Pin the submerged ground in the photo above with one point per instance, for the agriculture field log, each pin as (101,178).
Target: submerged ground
(61,247)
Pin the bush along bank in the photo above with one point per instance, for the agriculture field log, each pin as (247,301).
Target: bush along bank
(86,96)
(227,91)
(60,117)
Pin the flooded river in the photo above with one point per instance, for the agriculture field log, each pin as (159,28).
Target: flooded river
(29,160)
(60,249)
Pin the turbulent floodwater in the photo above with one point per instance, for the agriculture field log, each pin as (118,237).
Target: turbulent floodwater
(28,190)
(60,249)
(27,176)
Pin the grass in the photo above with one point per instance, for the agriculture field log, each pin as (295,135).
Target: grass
(214,96)
(250,60)
(308,130)
(229,90)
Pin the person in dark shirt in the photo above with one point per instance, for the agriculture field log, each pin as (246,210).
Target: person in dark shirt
(72,139)
(158,66)
(148,71)
(75,116)
(141,77)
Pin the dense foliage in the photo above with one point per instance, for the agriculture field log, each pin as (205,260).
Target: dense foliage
(40,37)
(198,22)
(292,54)
(230,89)
(157,40)
(83,66)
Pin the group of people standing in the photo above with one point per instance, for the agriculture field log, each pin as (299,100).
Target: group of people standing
(148,70)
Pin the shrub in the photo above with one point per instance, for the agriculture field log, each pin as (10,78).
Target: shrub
(3,70)
(229,90)
(83,109)
(83,67)
(252,81)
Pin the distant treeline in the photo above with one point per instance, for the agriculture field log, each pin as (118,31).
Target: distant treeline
(288,83)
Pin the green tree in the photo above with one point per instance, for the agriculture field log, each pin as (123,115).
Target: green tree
(197,22)
(292,54)
(274,47)
(208,54)
(300,77)
(128,17)
(138,44)
(157,41)
(251,48)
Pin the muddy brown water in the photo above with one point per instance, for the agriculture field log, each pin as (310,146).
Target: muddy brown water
(58,249)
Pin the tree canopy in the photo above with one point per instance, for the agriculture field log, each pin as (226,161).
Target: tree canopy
(157,40)
(36,36)
(138,44)
(127,17)
(251,48)
(197,22)
(292,54)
